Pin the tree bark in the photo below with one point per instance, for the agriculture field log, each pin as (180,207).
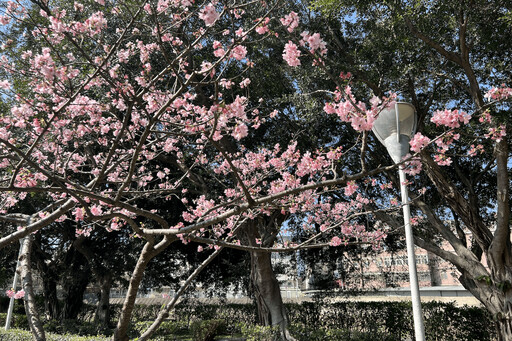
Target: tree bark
(74,290)
(504,329)
(103,277)
(51,302)
(497,299)
(35,325)
(102,315)
(267,293)
(149,251)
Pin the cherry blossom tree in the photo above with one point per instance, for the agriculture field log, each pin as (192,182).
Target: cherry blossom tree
(104,101)
(103,91)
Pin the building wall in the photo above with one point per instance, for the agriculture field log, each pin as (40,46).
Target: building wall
(392,270)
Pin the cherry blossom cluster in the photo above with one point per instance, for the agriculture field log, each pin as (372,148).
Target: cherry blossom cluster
(413,165)
(290,21)
(314,42)
(11,293)
(450,118)
(499,93)
(209,15)
(357,113)
(291,54)
(454,119)
(418,142)
(13,10)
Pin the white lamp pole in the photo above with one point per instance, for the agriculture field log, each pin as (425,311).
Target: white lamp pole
(394,128)
(14,284)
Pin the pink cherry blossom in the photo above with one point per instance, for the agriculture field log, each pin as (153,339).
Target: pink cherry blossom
(78,213)
(291,54)
(413,166)
(96,210)
(240,131)
(446,141)
(314,41)
(450,118)
(4,20)
(239,52)
(357,113)
(209,15)
(5,85)
(335,241)
(351,188)
(290,21)
(218,49)
(496,133)
(227,84)
(15,294)
(475,149)
(263,28)
(95,23)
(499,93)
(442,160)
(162,5)
(245,83)
(418,142)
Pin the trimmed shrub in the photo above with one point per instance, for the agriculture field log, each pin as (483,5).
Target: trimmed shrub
(18,321)
(25,335)
(259,333)
(206,330)
(76,327)
(166,328)
(443,321)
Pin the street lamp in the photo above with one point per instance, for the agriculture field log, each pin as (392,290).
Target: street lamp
(394,128)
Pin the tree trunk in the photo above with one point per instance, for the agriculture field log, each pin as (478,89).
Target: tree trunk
(504,329)
(267,293)
(51,302)
(74,295)
(271,310)
(35,325)
(103,277)
(102,315)
(49,273)
(149,251)
(502,313)
(433,268)
(497,299)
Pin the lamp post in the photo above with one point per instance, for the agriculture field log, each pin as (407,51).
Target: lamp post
(14,284)
(394,128)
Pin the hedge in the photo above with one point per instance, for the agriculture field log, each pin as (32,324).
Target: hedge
(311,320)
(443,321)
(25,335)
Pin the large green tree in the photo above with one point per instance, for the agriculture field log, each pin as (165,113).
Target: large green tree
(444,54)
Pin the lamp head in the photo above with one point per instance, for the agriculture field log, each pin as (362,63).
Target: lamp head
(394,128)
